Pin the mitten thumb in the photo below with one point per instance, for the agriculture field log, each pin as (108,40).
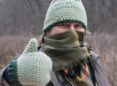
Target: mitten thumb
(31,46)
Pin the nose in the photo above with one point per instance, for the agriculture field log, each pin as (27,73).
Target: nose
(72,27)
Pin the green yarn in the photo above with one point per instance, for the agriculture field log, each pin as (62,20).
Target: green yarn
(65,11)
(33,67)
(12,73)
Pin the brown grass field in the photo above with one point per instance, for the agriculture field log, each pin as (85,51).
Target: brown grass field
(103,44)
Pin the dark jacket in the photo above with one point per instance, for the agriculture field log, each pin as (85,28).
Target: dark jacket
(99,74)
(101,78)
(2,81)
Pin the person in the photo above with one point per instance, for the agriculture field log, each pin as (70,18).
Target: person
(61,50)
(64,31)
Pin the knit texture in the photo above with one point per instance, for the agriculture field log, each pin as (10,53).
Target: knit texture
(33,67)
(11,72)
(62,11)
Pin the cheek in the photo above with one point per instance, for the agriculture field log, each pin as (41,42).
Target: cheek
(80,30)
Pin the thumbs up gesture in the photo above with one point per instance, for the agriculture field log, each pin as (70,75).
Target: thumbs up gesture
(33,67)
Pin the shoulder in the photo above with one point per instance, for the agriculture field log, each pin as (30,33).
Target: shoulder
(101,77)
(94,56)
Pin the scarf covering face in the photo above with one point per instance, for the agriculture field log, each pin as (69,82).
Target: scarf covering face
(64,49)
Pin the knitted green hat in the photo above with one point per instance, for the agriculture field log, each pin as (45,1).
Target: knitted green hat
(62,11)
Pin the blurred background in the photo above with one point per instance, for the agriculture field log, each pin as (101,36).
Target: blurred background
(21,20)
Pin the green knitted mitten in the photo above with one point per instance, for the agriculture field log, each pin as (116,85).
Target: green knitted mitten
(33,67)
